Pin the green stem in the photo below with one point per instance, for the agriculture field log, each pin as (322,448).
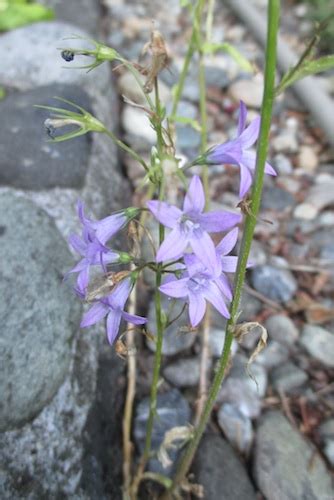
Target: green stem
(160,326)
(126,148)
(270,67)
(158,350)
(136,75)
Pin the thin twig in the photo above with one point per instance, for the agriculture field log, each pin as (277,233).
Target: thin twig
(262,297)
(205,354)
(130,395)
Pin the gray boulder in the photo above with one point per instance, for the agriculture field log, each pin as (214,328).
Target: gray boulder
(36,163)
(219,470)
(282,463)
(39,314)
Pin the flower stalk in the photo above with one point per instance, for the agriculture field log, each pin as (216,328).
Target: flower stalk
(159,322)
(250,222)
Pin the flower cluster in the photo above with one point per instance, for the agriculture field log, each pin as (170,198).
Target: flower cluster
(94,252)
(195,267)
(203,271)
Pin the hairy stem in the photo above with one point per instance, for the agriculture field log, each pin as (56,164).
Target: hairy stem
(205,351)
(131,375)
(127,149)
(266,112)
(159,323)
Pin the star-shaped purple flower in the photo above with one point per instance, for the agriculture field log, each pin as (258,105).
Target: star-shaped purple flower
(112,306)
(191,226)
(235,151)
(197,285)
(92,245)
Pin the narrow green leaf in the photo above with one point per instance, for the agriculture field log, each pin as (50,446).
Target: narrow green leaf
(307,68)
(188,121)
(212,48)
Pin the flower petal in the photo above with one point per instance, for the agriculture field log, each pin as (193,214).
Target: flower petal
(224,286)
(197,308)
(117,298)
(167,214)
(77,244)
(83,279)
(219,220)
(89,224)
(94,315)
(249,160)
(214,296)
(106,228)
(82,264)
(173,246)
(230,152)
(245,181)
(250,135)
(133,318)
(176,288)
(204,248)
(193,264)
(242,117)
(194,200)
(229,241)
(229,263)
(113,322)
(269,169)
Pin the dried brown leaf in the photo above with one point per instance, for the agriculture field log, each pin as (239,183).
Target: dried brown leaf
(173,439)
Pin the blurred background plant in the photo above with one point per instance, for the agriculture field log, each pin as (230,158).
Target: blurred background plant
(318,11)
(15,13)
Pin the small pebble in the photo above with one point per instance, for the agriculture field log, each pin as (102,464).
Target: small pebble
(276,284)
(307,159)
(272,355)
(136,123)
(248,91)
(285,143)
(288,377)
(216,342)
(236,427)
(184,372)
(319,343)
(282,329)
(305,211)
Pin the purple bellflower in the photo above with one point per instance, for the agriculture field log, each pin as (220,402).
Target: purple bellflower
(112,306)
(235,152)
(92,247)
(191,226)
(197,285)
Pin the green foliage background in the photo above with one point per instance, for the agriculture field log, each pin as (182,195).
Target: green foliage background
(14,13)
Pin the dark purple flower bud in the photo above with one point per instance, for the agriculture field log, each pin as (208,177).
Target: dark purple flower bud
(67,55)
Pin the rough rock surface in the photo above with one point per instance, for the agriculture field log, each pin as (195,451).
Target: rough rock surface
(39,314)
(38,163)
(172,411)
(282,463)
(218,469)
